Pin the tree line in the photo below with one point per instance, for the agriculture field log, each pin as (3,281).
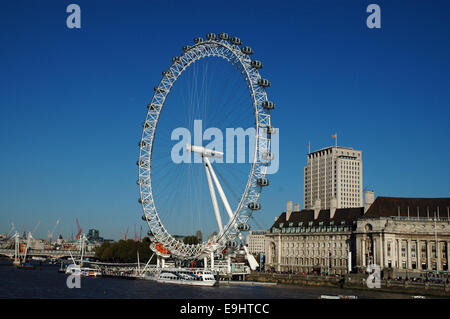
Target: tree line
(125,251)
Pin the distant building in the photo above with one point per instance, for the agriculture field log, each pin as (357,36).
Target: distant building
(94,235)
(256,241)
(212,236)
(179,237)
(333,178)
(60,240)
(313,240)
(404,236)
(199,236)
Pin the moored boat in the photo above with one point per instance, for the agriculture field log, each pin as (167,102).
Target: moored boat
(183,276)
(76,270)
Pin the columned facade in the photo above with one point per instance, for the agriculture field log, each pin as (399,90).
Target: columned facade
(406,245)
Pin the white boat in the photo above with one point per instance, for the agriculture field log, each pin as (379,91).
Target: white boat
(90,272)
(76,270)
(183,276)
(73,269)
(337,297)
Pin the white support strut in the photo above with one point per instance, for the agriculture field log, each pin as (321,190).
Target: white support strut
(219,188)
(214,199)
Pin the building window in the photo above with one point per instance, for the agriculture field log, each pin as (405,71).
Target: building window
(424,251)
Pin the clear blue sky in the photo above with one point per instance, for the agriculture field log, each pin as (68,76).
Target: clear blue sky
(72,101)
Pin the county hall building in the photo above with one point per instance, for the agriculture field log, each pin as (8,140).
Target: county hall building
(401,235)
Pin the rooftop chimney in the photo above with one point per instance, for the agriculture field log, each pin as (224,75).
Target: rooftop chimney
(316,208)
(369,198)
(288,210)
(333,206)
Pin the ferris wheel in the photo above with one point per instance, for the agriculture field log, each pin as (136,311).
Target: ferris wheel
(234,219)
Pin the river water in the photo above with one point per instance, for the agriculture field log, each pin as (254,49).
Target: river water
(45,282)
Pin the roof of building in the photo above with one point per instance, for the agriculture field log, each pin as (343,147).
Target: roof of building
(333,146)
(381,207)
(418,207)
(346,215)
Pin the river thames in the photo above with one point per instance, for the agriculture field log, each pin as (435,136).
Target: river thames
(44,282)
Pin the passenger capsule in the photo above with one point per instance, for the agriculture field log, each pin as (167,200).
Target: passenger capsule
(141,182)
(141,163)
(186,48)
(151,106)
(146,125)
(167,73)
(267,156)
(263,83)
(224,36)
(256,64)
(143,201)
(143,144)
(231,244)
(236,41)
(176,59)
(270,130)
(244,227)
(247,50)
(146,217)
(211,36)
(268,105)
(263,182)
(254,206)
(198,40)
(158,89)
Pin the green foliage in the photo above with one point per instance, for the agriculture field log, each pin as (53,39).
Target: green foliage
(125,251)
(190,240)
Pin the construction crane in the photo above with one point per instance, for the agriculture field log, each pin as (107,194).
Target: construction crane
(50,234)
(10,234)
(79,230)
(126,234)
(35,227)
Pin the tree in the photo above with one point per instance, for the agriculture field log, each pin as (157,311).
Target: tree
(190,240)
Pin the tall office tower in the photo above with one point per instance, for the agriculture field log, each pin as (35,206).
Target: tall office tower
(333,178)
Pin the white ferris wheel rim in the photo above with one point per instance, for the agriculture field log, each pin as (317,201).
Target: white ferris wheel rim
(233,53)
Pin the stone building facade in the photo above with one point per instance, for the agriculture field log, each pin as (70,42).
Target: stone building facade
(405,235)
(256,241)
(333,177)
(398,234)
(313,241)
